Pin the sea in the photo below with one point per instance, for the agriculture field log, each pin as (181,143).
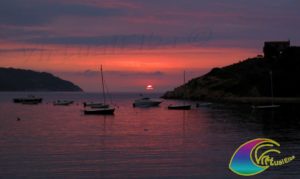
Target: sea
(61,142)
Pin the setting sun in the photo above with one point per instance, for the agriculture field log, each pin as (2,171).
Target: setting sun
(149,87)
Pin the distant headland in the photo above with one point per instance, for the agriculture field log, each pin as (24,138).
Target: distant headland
(27,80)
(249,79)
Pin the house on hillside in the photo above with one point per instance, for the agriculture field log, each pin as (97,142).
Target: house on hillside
(275,49)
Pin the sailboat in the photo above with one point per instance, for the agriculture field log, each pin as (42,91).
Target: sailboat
(181,106)
(102,109)
(63,102)
(272,106)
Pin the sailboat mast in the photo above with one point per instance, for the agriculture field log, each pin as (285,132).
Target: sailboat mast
(184,89)
(272,93)
(103,90)
(183,77)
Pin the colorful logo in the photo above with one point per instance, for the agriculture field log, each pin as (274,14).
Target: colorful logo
(254,157)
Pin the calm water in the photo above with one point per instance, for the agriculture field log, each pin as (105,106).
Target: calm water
(60,142)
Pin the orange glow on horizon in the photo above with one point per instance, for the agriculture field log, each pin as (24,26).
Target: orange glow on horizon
(60,58)
(69,62)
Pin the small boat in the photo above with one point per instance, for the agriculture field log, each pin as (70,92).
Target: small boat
(180,107)
(272,106)
(62,102)
(99,108)
(203,104)
(95,105)
(146,102)
(28,100)
(103,111)
(266,107)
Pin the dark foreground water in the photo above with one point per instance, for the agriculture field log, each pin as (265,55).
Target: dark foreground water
(60,142)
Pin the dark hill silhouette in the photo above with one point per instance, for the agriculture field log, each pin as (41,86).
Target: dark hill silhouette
(249,78)
(27,80)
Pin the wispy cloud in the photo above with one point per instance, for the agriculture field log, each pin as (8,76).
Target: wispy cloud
(93,73)
(34,12)
(133,22)
(122,41)
(22,50)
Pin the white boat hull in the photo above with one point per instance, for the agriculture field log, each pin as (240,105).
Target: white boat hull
(146,103)
(99,111)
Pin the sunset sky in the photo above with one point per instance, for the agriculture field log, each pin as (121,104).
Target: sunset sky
(139,42)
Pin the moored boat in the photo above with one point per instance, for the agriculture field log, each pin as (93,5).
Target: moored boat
(99,108)
(28,100)
(62,102)
(103,111)
(266,106)
(146,102)
(180,107)
(203,104)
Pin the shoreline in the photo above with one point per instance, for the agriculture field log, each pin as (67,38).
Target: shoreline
(264,100)
(250,100)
